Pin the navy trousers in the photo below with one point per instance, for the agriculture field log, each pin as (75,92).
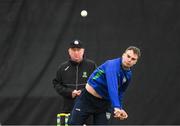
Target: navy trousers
(87,105)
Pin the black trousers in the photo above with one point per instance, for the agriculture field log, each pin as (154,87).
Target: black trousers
(87,105)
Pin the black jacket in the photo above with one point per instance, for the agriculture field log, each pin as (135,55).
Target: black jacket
(71,76)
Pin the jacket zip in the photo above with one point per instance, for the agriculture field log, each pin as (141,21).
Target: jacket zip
(77,71)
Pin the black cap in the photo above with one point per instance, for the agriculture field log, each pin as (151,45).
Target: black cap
(76,44)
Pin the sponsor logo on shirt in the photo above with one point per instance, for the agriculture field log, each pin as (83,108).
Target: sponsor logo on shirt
(124,80)
(84,75)
(77,109)
(66,68)
(108,115)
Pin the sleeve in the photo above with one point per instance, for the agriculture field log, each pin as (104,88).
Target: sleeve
(59,87)
(123,89)
(121,93)
(121,99)
(112,83)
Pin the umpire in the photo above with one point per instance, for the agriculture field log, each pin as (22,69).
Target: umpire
(72,75)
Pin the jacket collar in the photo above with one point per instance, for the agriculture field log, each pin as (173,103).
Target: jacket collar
(75,63)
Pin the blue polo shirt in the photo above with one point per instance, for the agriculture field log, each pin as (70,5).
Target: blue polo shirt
(110,81)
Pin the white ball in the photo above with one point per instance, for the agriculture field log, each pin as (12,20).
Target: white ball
(84,13)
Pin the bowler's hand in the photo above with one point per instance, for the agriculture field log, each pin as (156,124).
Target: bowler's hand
(76,93)
(120,114)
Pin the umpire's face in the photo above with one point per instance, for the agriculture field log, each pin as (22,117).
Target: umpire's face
(129,58)
(76,54)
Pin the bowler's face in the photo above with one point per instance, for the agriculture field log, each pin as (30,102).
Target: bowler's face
(129,58)
(76,54)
